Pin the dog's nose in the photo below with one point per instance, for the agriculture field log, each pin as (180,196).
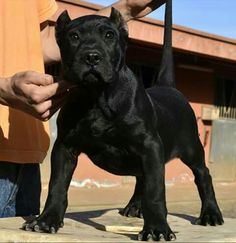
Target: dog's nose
(92,58)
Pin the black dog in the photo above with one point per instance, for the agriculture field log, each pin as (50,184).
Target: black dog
(122,127)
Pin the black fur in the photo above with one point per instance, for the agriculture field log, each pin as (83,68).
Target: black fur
(122,127)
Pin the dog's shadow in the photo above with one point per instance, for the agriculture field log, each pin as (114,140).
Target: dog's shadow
(190,218)
(87,217)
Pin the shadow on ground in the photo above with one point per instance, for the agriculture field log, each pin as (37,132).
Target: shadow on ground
(186,217)
(88,218)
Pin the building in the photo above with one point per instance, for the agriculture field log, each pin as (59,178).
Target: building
(206,75)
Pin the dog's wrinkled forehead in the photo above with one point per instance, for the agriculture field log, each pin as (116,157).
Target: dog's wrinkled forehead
(91,24)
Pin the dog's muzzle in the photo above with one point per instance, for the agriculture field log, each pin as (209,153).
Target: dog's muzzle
(93,68)
(92,58)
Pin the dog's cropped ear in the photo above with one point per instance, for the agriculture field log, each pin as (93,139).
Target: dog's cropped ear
(62,21)
(119,21)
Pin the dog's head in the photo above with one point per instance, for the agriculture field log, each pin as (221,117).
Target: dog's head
(92,47)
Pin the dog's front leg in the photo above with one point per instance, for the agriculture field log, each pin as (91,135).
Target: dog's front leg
(153,201)
(63,163)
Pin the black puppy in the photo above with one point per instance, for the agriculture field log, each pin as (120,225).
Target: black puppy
(122,127)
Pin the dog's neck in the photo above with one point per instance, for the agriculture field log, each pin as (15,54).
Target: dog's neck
(119,96)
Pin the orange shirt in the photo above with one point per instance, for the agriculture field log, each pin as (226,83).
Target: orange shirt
(23,139)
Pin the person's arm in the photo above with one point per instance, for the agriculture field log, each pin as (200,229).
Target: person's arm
(51,52)
(32,93)
(36,93)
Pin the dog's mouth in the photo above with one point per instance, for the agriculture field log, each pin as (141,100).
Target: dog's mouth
(92,78)
(87,77)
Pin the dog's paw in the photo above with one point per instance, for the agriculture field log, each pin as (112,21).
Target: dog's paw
(133,209)
(43,224)
(156,235)
(210,216)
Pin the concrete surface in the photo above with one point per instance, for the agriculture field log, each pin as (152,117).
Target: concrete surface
(92,216)
(109,226)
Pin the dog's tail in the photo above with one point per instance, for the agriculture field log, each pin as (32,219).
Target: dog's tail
(166,75)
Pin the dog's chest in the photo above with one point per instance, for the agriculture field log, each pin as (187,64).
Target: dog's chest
(106,141)
(95,128)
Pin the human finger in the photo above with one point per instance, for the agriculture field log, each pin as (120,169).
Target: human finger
(39,94)
(56,105)
(32,77)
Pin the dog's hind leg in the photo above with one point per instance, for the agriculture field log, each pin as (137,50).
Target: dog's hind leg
(133,208)
(194,158)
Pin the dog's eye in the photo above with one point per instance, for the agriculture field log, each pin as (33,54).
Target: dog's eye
(74,36)
(109,35)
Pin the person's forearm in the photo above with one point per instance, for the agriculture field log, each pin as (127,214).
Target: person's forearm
(51,52)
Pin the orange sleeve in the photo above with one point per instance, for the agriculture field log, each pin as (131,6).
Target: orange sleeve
(46,8)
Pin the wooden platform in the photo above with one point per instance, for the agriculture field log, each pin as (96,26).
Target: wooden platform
(109,226)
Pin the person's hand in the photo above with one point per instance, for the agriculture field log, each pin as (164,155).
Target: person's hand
(34,93)
(131,9)
(140,8)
